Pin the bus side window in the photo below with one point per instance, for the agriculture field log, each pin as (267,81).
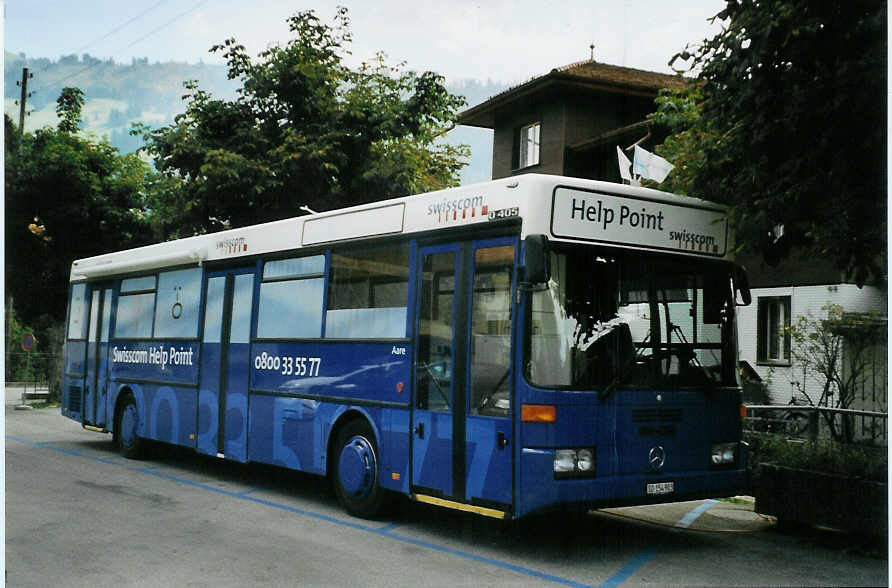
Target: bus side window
(77,323)
(291,298)
(435,332)
(368,293)
(136,303)
(179,295)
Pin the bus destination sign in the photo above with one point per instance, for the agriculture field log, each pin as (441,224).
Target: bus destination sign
(611,219)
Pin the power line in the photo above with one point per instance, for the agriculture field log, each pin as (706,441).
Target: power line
(112,32)
(149,34)
(131,44)
(121,26)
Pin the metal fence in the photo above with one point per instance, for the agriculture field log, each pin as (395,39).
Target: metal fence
(31,372)
(818,422)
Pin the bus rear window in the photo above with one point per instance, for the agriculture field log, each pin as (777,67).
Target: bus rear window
(368,293)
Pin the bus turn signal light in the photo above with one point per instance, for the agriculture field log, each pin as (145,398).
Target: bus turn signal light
(538,413)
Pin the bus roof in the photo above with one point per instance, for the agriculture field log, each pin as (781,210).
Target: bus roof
(563,208)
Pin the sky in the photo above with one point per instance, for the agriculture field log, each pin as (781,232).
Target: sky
(499,40)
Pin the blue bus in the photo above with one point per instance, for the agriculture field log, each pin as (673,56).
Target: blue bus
(506,348)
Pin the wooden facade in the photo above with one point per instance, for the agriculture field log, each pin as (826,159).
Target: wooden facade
(584,110)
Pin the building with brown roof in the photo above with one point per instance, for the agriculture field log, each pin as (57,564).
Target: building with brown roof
(569,121)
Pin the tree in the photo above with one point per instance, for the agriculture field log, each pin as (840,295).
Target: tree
(837,353)
(304,130)
(67,197)
(68,108)
(788,127)
(687,134)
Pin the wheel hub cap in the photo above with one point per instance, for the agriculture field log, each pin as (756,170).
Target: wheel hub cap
(356,467)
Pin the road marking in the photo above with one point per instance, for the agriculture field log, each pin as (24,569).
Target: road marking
(388,528)
(615,580)
(695,513)
(630,568)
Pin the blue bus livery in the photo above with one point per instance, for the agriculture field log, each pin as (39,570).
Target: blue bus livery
(517,346)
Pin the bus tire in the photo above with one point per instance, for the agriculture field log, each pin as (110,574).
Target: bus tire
(129,443)
(355,470)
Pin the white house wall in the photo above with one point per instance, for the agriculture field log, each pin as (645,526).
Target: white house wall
(804,300)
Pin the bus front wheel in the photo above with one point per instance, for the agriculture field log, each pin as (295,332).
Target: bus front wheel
(127,429)
(355,470)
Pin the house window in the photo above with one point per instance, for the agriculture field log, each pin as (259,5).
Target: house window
(773,330)
(528,148)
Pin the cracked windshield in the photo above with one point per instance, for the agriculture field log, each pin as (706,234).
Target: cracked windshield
(623,320)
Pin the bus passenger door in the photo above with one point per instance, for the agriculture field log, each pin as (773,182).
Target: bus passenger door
(461,417)
(225,371)
(438,389)
(489,436)
(95,393)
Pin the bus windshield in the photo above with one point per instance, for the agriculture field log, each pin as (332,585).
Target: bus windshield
(612,320)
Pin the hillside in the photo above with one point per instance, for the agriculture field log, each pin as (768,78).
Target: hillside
(119,94)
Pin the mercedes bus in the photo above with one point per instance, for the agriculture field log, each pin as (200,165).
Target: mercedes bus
(517,346)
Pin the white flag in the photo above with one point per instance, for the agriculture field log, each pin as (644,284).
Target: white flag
(624,165)
(650,166)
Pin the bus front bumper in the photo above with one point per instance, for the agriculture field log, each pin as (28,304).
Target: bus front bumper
(540,491)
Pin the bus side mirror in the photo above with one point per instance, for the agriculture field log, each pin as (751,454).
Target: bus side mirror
(536,262)
(742,286)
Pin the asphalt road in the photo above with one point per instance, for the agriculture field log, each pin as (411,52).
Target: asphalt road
(77,514)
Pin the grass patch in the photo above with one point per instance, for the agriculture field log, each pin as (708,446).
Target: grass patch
(44,404)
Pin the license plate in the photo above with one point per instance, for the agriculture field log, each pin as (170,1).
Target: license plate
(660,488)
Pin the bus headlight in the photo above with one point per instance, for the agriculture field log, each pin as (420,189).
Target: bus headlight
(564,461)
(723,453)
(585,461)
(574,463)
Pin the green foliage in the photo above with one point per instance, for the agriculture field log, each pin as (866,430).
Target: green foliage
(855,461)
(43,364)
(119,94)
(303,130)
(679,113)
(788,127)
(69,106)
(17,368)
(67,197)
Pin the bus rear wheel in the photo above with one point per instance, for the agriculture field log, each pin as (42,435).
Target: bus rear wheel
(127,438)
(355,471)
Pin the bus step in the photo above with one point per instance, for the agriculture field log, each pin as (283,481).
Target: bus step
(481,510)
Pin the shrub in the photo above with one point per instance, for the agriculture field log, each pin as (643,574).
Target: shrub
(842,459)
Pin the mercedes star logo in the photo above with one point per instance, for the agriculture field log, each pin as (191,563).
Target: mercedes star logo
(657,457)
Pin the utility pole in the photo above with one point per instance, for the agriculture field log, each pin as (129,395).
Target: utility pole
(24,98)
